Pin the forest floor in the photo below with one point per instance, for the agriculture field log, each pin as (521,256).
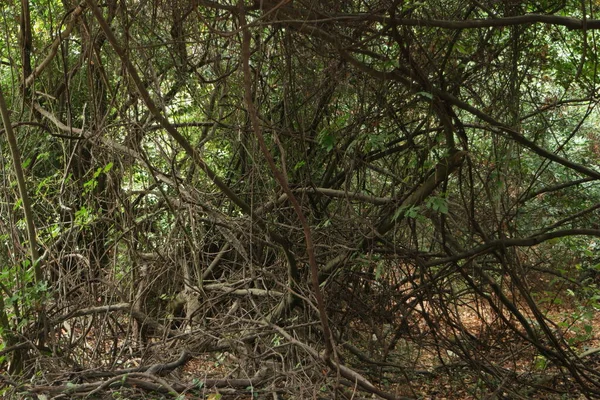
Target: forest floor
(444,376)
(418,366)
(575,322)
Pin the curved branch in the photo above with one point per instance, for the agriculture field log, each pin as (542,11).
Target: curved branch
(555,188)
(503,129)
(517,242)
(344,194)
(27,209)
(282,180)
(568,22)
(54,47)
(162,120)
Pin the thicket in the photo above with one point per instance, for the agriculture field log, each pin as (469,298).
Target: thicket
(299,199)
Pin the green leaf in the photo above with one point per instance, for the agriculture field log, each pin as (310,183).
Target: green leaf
(425,94)
(378,271)
(198,383)
(439,204)
(299,165)
(540,362)
(411,212)
(327,141)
